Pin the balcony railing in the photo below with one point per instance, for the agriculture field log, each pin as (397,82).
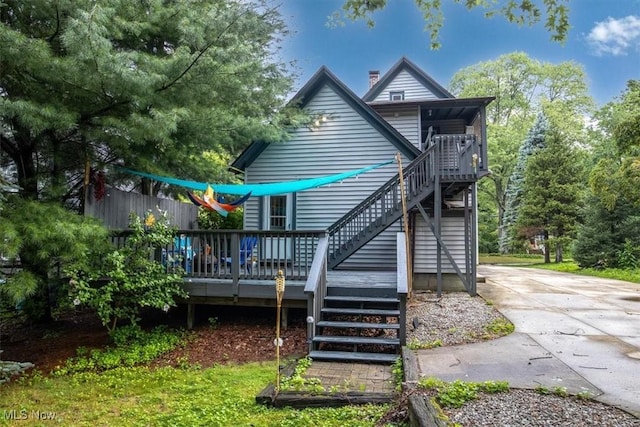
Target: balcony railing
(238,254)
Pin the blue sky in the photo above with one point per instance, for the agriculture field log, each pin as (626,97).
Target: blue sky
(604,38)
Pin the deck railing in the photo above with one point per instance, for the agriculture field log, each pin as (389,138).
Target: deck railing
(461,156)
(238,254)
(316,288)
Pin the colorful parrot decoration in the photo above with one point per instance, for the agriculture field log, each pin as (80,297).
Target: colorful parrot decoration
(208,201)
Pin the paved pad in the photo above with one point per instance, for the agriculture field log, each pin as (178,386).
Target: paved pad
(516,358)
(572,331)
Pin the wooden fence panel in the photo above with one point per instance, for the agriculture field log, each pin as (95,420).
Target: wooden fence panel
(114,209)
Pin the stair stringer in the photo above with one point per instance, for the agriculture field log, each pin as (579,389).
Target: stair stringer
(382,208)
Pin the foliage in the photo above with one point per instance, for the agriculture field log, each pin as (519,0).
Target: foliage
(132,347)
(414,344)
(513,195)
(617,175)
(522,12)
(552,193)
(610,234)
(210,220)
(457,393)
(130,278)
(515,259)
(556,391)
(499,327)
(47,239)
(397,369)
(298,382)
(151,84)
(632,276)
(219,396)
(523,87)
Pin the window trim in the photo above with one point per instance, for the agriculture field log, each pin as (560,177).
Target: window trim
(396,94)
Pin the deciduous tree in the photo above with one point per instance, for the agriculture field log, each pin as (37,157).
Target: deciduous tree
(554,13)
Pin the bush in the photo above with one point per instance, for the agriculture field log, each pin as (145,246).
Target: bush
(130,278)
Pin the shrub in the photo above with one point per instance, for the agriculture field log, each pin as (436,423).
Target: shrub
(130,278)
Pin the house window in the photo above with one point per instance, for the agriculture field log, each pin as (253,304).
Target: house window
(396,96)
(278,213)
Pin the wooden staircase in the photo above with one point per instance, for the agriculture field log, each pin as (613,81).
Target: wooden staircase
(367,323)
(358,328)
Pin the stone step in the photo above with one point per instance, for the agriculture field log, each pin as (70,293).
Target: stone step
(359,325)
(353,299)
(344,339)
(361,311)
(346,356)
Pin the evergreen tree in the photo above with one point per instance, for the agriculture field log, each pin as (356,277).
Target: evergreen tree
(150,84)
(601,238)
(535,140)
(551,193)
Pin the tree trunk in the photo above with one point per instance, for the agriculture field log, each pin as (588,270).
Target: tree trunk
(547,249)
(558,252)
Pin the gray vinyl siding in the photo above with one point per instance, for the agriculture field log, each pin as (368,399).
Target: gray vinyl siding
(452,229)
(346,141)
(251,208)
(412,88)
(405,120)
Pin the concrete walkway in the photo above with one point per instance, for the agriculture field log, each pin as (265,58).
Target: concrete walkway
(578,332)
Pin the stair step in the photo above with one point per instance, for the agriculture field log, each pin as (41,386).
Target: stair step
(341,298)
(347,356)
(361,311)
(360,325)
(355,340)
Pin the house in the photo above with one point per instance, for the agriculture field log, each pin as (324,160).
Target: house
(405,111)
(353,251)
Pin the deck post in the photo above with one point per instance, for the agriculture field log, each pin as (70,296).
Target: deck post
(437,216)
(191,308)
(474,239)
(235,262)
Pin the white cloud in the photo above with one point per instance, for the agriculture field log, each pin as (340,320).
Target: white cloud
(615,36)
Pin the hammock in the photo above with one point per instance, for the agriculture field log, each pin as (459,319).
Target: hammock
(270,189)
(209,202)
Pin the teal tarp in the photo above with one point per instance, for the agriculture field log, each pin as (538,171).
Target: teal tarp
(268,189)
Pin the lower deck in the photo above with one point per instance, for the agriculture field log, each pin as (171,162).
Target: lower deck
(262,293)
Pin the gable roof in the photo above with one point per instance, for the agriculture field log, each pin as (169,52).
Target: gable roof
(415,71)
(321,78)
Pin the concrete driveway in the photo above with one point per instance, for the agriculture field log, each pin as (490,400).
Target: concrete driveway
(591,325)
(574,332)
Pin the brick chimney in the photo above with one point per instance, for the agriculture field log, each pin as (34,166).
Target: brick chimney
(374,76)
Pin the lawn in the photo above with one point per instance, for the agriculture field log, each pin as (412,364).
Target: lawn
(220,396)
(537,261)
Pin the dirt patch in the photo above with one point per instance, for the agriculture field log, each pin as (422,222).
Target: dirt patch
(220,335)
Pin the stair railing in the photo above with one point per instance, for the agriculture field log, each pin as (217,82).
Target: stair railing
(381,208)
(316,288)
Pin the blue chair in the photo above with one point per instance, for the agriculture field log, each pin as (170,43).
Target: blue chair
(181,253)
(247,245)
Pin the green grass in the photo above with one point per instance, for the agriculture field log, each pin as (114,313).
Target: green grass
(537,261)
(516,259)
(139,396)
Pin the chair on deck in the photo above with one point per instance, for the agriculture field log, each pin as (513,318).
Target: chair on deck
(247,245)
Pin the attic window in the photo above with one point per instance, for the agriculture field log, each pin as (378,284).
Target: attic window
(396,96)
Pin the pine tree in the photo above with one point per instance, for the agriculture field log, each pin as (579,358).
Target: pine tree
(551,194)
(535,140)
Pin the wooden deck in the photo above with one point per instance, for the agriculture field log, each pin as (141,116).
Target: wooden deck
(249,292)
